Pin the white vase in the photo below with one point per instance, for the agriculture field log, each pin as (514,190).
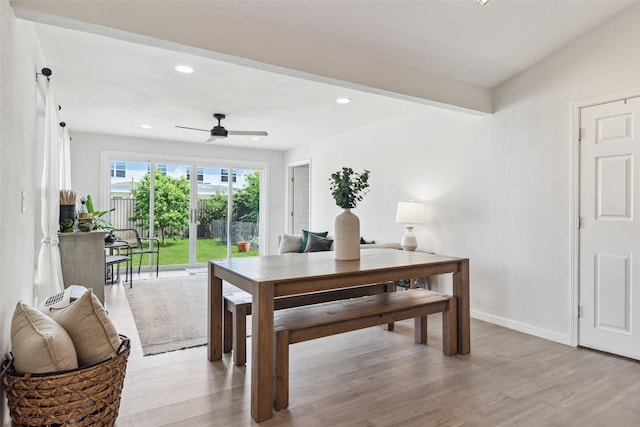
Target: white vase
(347,243)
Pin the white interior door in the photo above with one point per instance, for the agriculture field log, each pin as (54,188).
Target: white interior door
(609,231)
(300,202)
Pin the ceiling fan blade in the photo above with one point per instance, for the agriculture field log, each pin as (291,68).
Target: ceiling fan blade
(248,132)
(185,127)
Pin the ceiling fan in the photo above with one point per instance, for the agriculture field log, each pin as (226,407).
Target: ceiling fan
(219,132)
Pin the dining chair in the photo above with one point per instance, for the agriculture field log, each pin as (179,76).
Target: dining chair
(136,247)
(111,260)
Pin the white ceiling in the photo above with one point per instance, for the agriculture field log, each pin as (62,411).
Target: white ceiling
(484,45)
(112,86)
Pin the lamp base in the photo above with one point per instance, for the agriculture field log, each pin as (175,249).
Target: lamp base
(409,241)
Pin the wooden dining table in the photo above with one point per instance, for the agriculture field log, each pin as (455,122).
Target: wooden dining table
(267,277)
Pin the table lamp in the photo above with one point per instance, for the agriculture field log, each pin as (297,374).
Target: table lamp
(410,213)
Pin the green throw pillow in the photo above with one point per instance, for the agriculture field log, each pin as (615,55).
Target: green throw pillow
(305,237)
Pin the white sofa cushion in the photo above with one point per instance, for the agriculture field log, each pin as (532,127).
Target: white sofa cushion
(289,243)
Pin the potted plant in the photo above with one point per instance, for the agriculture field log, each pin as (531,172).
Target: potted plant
(90,219)
(244,246)
(348,188)
(99,221)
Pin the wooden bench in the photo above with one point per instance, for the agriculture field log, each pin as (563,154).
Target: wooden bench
(237,306)
(303,324)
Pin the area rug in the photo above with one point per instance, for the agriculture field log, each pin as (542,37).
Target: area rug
(171,313)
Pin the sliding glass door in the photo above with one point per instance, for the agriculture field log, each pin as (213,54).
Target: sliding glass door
(171,212)
(210,213)
(219,237)
(196,211)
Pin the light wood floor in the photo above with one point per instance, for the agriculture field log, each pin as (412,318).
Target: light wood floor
(377,378)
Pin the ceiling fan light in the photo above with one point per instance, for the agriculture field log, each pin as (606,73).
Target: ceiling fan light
(218,132)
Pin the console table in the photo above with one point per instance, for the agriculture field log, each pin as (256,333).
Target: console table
(82,259)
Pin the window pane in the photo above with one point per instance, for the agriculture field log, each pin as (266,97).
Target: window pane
(213,199)
(118,169)
(171,214)
(126,178)
(245,224)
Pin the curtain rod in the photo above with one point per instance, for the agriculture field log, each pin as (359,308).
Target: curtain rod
(63,125)
(44,72)
(47,73)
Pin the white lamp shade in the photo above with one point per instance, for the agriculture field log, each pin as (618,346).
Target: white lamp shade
(410,213)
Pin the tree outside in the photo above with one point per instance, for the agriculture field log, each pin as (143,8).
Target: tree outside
(171,204)
(246,203)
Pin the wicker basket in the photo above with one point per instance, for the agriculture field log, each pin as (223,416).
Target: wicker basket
(88,396)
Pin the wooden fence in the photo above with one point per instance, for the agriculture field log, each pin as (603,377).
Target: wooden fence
(124,210)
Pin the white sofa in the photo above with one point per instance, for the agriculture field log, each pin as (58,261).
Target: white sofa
(288,243)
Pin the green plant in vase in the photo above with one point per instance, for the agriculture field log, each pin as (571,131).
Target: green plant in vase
(348,188)
(99,221)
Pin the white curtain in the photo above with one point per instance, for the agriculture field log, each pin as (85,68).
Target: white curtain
(49,276)
(65,161)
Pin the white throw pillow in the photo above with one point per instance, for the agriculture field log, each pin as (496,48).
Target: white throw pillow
(39,344)
(289,243)
(90,328)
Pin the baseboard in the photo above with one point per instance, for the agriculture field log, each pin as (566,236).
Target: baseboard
(522,327)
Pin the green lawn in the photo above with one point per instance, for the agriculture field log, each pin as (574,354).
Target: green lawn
(177,251)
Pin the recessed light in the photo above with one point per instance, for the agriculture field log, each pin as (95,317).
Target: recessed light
(255,138)
(145,126)
(343,100)
(183,69)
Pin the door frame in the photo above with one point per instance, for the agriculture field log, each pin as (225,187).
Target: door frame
(106,156)
(289,191)
(576,109)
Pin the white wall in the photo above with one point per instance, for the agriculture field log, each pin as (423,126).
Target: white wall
(498,188)
(531,137)
(403,155)
(432,155)
(21,159)
(86,152)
